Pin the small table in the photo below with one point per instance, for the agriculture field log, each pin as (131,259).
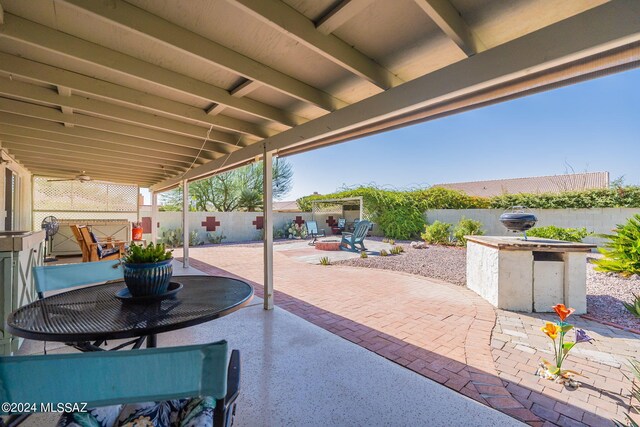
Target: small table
(93,313)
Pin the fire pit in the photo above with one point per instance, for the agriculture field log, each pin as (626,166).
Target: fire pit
(328,245)
(518,219)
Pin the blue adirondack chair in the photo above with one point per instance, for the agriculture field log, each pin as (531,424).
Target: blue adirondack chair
(354,242)
(312,230)
(200,375)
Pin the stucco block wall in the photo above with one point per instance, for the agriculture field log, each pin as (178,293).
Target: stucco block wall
(597,220)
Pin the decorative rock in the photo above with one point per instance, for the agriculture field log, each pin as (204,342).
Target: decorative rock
(419,245)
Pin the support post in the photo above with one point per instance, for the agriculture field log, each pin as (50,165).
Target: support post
(154,217)
(267,193)
(185,223)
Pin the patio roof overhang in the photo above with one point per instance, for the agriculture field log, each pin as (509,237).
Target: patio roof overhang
(156,92)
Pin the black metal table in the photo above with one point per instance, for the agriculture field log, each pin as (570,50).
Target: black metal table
(94,314)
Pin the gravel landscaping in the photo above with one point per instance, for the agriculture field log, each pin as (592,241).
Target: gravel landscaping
(605,291)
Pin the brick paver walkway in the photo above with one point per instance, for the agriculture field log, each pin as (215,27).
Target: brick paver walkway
(436,329)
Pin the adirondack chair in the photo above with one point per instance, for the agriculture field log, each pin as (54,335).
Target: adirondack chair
(354,242)
(94,249)
(202,375)
(312,230)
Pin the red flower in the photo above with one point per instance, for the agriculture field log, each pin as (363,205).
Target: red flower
(563,312)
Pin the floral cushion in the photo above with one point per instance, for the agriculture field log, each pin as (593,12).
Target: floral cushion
(171,413)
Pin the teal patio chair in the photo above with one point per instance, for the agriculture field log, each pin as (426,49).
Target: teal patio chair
(196,384)
(63,276)
(312,230)
(354,242)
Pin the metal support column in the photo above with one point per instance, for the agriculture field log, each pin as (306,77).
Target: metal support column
(154,217)
(268,228)
(185,223)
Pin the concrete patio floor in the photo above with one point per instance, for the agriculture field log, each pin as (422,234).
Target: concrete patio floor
(443,332)
(297,374)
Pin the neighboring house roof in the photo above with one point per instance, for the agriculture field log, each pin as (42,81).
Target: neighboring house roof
(286,206)
(537,184)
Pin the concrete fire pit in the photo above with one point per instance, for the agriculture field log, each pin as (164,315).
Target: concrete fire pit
(528,275)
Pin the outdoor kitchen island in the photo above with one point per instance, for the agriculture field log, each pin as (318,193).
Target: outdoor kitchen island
(528,275)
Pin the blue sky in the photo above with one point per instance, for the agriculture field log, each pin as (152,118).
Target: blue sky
(592,126)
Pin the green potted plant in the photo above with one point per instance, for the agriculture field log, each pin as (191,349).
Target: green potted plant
(147,270)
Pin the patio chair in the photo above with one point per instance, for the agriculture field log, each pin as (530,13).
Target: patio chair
(64,276)
(95,250)
(339,227)
(354,242)
(194,383)
(312,230)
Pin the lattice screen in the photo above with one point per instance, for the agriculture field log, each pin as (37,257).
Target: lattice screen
(83,200)
(337,207)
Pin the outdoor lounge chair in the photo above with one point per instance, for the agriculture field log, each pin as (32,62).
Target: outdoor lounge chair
(195,383)
(339,227)
(312,230)
(95,250)
(355,241)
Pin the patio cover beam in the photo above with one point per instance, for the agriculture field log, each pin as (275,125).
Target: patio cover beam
(48,130)
(90,148)
(210,149)
(100,89)
(26,146)
(447,17)
(131,17)
(289,21)
(515,61)
(24,31)
(54,171)
(226,142)
(340,14)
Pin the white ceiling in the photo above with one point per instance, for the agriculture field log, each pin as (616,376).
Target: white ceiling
(88,85)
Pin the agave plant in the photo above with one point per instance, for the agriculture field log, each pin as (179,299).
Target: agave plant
(634,306)
(622,251)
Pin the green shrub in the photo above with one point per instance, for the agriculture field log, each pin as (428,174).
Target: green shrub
(617,197)
(559,233)
(401,222)
(396,250)
(438,232)
(622,251)
(467,227)
(634,306)
(138,254)
(172,237)
(215,239)
(325,261)
(193,238)
(391,242)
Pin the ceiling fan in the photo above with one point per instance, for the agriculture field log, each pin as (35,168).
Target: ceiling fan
(82,177)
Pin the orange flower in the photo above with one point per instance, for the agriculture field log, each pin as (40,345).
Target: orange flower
(563,312)
(551,329)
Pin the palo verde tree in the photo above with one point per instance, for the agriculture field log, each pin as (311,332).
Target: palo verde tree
(236,190)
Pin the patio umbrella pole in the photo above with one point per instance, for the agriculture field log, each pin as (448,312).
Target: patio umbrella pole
(185,223)
(268,227)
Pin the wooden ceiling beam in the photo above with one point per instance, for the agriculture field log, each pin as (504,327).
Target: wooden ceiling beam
(100,89)
(450,21)
(44,129)
(210,149)
(340,15)
(22,30)
(76,103)
(89,153)
(151,26)
(287,20)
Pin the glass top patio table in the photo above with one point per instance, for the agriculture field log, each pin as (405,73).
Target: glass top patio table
(94,313)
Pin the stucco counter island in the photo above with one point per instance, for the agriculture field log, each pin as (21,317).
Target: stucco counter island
(528,275)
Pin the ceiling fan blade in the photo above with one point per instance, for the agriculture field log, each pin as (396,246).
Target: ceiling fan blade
(61,180)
